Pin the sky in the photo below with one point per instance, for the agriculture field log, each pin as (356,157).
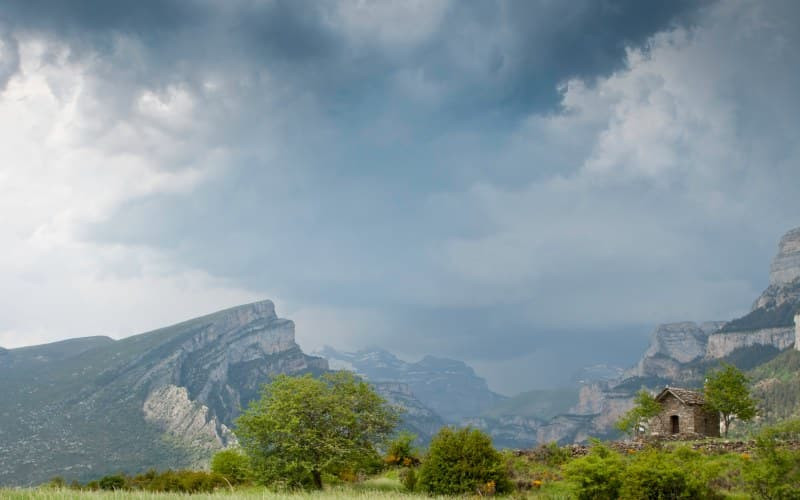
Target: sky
(530,186)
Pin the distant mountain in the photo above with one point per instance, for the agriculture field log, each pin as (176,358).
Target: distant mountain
(681,354)
(86,407)
(539,404)
(449,387)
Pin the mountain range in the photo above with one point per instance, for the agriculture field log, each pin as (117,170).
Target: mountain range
(85,407)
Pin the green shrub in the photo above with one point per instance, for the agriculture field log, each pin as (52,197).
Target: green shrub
(408,478)
(231,464)
(661,475)
(463,461)
(114,482)
(552,454)
(56,482)
(401,451)
(775,471)
(598,475)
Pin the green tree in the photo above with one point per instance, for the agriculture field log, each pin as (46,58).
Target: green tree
(232,464)
(303,427)
(726,391)
(636,419)
(463,461)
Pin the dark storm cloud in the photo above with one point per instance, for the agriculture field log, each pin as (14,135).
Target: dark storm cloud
(446,180)
(542,43)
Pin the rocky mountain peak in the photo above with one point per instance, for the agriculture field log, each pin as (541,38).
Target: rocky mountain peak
(785,268)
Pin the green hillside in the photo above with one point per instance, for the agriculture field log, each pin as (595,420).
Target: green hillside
(776,385)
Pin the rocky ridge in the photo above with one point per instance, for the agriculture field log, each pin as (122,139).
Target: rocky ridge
(162,399)
(448,387)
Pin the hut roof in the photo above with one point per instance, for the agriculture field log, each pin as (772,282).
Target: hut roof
(685,396)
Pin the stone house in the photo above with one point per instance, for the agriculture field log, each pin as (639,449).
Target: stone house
(684,412)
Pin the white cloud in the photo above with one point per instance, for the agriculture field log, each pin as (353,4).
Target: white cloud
(651,160)
(60,172)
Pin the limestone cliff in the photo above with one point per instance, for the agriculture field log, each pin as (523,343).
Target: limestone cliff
(723,344)
(672,345)
(162,399)
(785,269)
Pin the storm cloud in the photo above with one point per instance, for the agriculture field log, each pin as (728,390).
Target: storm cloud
(504,182)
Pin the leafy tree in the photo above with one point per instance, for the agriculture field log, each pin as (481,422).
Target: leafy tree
(304,427)
(636,419)
(231,464)
(726,391)
(463,461)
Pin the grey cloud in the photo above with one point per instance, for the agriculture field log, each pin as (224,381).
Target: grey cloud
(465,217)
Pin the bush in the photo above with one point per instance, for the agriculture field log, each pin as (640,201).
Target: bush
(401,451)
(231,464)
(408,478)
(598,475)
(775,472)
(463,461)
(115,482)
(660,475)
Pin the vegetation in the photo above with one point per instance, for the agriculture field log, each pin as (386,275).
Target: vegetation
(233,465)
(776,471)
(305,427)
(463,461)
(636,420)
(780,316)
(402,452)
(727,391)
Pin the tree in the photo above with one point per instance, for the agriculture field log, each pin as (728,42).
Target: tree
(726,392)
(463,461)
(303,427)
(636,419)
(232,464)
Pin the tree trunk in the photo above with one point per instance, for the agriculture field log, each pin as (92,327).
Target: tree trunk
(317,476)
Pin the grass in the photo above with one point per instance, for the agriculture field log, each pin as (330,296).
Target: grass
(251,494)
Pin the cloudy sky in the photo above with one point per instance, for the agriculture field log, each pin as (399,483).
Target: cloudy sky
(527,185)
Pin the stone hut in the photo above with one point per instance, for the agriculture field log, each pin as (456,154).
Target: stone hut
(684,412)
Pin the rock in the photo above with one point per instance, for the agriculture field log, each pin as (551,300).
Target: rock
(797,331)
(673,345)
(190,422)
(449,387)
(723,344)
(785,268)
(416,417)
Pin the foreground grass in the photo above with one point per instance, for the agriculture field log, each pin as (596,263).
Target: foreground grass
(252,494)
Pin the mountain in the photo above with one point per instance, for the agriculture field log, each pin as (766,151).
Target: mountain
(86,407)
(449,387)
(681,353)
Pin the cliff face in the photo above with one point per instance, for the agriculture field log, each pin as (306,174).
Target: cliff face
(724,344)
(785,268)
(162,399)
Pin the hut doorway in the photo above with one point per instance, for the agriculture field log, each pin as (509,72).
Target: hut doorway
(674,421)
